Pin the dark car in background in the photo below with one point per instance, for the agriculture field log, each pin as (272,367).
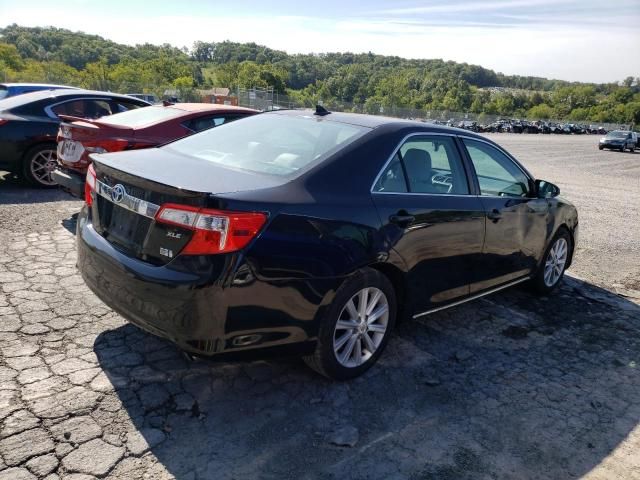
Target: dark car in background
(12,89)
(619,140)
(29,127)
(134,129)
(313,233)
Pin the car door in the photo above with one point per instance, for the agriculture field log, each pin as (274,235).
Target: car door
(516,226)
(430,218)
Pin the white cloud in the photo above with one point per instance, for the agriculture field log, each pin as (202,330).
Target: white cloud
(578,53)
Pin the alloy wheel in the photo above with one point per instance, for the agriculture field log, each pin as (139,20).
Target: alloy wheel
(361,327)
(42,165)
(556,260)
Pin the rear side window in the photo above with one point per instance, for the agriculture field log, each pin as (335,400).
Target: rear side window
(270,143)
(429,164)
(83,108)
(4,91)
(392,179)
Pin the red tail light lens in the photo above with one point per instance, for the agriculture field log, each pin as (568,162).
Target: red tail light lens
(90,185)
(3,121)
(214,231)
(107,145)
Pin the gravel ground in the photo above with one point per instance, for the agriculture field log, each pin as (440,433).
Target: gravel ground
(510,386)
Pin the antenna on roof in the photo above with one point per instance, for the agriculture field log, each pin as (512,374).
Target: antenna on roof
(167,103)
(321,111)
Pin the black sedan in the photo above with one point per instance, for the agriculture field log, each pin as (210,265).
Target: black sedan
(29,126)
(313,233)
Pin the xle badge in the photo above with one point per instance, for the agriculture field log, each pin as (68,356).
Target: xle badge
(172,234)
(166,252)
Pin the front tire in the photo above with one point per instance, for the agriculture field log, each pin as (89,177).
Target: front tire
(38,165)
(554,263)
(356,327)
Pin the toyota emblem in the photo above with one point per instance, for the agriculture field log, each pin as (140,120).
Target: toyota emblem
(117,193)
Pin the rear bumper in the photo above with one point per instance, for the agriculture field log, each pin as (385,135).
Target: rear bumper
(206,305)
(70,181)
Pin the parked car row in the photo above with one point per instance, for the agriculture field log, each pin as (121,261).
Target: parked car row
(522,126)
(29,127)
(46,135)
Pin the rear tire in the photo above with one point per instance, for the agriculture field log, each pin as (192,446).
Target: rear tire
(356,326)
(554,263)
(38,164)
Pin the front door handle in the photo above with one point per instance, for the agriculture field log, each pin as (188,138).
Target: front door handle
(494,215)
(402,220)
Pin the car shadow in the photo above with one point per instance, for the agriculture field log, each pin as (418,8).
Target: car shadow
(14,190)
(70,223)
(509,386)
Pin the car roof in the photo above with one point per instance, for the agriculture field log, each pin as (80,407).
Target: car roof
(27,98)
(375,121)
(208,107)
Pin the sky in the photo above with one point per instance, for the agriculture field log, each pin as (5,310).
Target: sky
(577,40)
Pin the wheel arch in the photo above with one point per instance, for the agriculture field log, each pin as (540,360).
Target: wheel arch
(398,280)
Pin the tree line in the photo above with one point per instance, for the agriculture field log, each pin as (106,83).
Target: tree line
(61,56)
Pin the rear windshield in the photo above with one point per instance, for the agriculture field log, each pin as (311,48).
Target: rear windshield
(270,143)
(4,91)
(142,116)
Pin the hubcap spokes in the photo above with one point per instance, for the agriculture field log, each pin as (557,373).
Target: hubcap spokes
(42,165)
(556,260)
(361,327)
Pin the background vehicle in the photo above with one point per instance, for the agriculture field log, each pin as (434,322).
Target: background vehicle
(11,89)
(311,232)
(134,129)
(619,140)
(29,125)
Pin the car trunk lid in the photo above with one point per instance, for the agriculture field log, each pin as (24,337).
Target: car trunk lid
(132,187)
(78,137)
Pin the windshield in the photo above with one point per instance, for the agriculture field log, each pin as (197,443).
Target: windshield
(142,116)
(617,134)
(270,143)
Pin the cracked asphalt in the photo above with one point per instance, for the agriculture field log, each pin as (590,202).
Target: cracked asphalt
(512,386)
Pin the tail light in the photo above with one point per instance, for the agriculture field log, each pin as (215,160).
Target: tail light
(108,145)
(90,185)
(214,231)
(3,121)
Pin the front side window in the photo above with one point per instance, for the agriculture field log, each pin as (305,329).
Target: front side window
(425,164)
(497,174)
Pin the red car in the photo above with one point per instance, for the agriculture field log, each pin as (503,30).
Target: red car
(141,128)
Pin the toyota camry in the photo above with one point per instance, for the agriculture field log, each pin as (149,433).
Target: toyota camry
(313,232)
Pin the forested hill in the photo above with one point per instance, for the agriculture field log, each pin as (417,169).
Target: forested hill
(58,55)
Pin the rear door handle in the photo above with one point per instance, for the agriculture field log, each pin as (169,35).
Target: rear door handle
(402,220)
(494,215)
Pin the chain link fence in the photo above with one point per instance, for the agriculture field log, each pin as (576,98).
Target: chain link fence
(267,99)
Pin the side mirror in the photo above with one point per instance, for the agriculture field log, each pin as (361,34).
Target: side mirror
(546,189)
